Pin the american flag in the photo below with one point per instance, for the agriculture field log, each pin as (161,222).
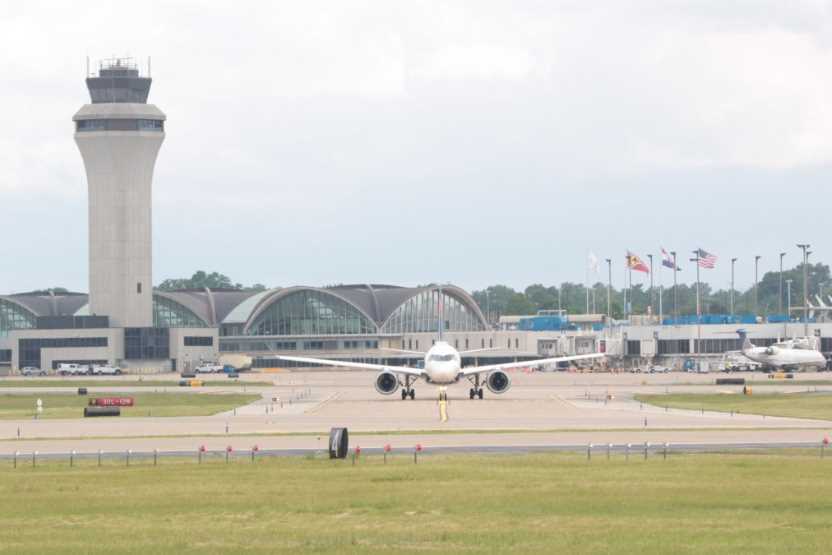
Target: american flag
(706,259)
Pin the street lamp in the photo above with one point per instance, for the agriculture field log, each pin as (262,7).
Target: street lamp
(756,285)
(609,289)
(805,247)
(733,262)
(780,298)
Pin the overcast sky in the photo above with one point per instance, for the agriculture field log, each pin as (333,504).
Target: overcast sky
(410,142)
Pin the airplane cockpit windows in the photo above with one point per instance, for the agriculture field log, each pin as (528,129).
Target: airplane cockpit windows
(442,358)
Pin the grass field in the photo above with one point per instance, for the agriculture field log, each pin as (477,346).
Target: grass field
(58,405)
(799,405)
(93,382)
(556,503)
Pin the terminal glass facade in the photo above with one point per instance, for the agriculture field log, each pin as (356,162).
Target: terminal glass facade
(420,313)
(14,317)
(170,314)
(311,312)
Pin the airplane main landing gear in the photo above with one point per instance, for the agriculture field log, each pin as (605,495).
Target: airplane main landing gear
(476,391)
(408,391)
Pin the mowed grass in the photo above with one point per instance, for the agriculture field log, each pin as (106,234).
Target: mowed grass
(65,405)
(92,382)
(798,405)
(554,503)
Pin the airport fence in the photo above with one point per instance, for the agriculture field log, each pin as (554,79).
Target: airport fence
(230,455)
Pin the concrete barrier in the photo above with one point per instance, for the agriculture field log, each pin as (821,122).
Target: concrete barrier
(101,411)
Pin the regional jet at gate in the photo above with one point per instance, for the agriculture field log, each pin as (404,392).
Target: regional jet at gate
(786,355)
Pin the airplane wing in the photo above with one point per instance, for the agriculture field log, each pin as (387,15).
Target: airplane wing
(359,365)
(471,370)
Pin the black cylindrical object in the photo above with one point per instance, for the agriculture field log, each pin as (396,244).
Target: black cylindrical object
(101,411)
(730,381)
(82,391)
(339,443)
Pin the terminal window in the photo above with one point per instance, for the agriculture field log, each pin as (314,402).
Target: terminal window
(146,343)
(199,341)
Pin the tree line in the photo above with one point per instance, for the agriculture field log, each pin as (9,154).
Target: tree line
(497,300)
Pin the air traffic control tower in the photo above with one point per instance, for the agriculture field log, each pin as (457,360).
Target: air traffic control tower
(119,135)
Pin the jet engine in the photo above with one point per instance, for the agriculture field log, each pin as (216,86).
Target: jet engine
(387,383)
(498,382)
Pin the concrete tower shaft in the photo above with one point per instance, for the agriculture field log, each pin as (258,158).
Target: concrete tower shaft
(119,142)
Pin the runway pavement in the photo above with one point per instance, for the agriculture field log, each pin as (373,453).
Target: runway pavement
(540,411)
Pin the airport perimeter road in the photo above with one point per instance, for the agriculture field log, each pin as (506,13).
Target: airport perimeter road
(558,408)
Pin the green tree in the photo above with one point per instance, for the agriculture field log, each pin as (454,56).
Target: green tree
(202,279)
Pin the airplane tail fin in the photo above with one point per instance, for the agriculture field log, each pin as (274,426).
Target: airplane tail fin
(745,343)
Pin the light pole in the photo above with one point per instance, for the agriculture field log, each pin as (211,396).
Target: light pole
(733,262)
(804,247)
(650,256)
(780,298)
(675,290)
(609,289)
(789,305)
(756,285)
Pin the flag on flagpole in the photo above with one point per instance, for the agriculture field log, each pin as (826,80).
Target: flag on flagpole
(636,263)
(667,261)
(706,259)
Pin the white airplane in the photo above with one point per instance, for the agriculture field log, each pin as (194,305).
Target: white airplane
(442,366)
(787,355)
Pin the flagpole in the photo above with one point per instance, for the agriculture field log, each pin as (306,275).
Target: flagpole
(650,256)
(697,350)
(625,290)
(661,314)
(675,290)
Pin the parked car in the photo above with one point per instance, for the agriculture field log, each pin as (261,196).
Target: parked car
(32,371)
(106,370)
(209,369)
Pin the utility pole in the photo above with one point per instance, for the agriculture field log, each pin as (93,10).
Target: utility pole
(675,290)
(733,262)
(609,289)
(805,246)
(756,285)
(780,297)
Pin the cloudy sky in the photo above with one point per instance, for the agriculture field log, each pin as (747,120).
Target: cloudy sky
(408,142)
